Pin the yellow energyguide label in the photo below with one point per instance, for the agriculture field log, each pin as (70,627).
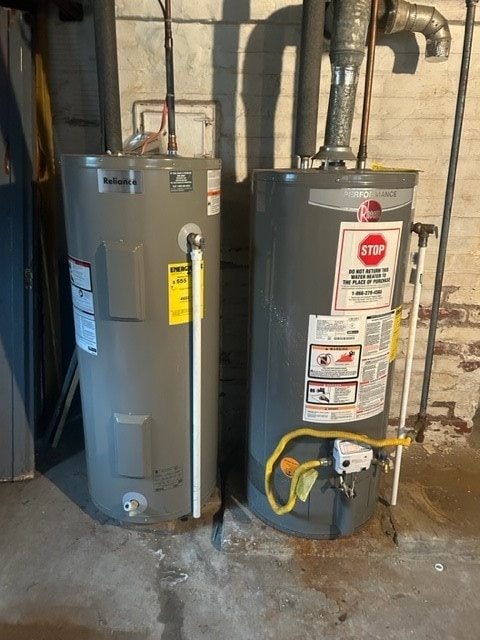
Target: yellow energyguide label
(180,292)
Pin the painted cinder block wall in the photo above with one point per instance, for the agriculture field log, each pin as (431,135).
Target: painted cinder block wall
(243,55)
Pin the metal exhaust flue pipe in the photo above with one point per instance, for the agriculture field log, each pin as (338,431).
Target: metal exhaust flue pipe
(347,50)
(349,26)
(107,73)
(407,16)
(308,91)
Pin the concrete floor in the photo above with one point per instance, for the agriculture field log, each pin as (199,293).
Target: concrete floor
(68,573)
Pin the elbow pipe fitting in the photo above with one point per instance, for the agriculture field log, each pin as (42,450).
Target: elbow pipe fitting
(196,241)
(407,16)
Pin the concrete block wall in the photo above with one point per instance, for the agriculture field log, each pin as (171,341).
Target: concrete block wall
(244,56)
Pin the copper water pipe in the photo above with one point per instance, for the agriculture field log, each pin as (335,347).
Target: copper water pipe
(367,98)
(172,137)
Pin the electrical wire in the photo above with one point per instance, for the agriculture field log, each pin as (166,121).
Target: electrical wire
(311,464)
(162,130)
(162,7)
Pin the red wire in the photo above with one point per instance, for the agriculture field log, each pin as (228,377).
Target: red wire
(162,130)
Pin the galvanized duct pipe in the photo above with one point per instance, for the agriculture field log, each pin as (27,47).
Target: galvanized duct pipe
(107,72)
(308,91)
(399,15)
(350,24)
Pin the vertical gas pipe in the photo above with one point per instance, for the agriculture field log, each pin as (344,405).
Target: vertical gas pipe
(447,212)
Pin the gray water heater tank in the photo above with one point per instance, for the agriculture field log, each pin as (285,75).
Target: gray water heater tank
(329,256)
(127,222)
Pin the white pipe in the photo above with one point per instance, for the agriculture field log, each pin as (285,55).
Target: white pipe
(407,375)
(196,255)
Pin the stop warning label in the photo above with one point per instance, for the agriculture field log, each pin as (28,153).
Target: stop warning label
(366,266)
(372,249)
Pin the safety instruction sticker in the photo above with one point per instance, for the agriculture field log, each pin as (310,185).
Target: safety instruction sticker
(347,366)
(327,361)
(83,307)
(367,259)
(180,292)
(213,192)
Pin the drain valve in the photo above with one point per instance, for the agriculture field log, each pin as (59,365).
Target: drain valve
(131,507)
(134,503)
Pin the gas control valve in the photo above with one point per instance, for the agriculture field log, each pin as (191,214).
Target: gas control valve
(351,457)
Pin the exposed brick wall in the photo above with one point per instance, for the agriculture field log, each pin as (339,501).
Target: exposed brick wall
(243,54)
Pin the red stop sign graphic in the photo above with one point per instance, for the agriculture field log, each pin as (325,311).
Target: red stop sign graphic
(372,249)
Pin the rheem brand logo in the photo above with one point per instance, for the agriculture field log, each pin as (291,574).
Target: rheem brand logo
(369,211)
(372,249)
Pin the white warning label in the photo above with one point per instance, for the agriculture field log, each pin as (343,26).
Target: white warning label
(83,307)
(347,367)
(367,259)
(85,331)
(213,192)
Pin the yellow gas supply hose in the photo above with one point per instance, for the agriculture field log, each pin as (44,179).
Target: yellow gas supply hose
(311,464)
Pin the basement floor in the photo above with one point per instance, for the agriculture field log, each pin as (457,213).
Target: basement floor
(413,571)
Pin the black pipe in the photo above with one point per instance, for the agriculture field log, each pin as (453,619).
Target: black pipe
(308,90)
(421,423)
(107,74)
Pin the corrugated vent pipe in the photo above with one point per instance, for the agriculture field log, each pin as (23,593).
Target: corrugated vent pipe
(349,26)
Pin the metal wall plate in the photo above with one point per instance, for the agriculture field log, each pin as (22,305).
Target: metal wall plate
(195,125)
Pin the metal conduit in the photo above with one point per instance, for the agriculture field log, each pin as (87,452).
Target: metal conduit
(421,422)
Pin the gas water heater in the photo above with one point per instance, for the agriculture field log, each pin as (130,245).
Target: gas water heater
(329,255)
(129,220)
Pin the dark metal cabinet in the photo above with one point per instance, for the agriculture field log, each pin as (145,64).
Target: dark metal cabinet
(16,249)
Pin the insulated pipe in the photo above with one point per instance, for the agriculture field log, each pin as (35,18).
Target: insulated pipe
(308,91)
(447,212)
(423,233)
(347,50)
(197,244)
(407,16)
(107,74)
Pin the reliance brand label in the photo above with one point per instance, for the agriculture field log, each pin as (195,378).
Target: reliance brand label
(119,181)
